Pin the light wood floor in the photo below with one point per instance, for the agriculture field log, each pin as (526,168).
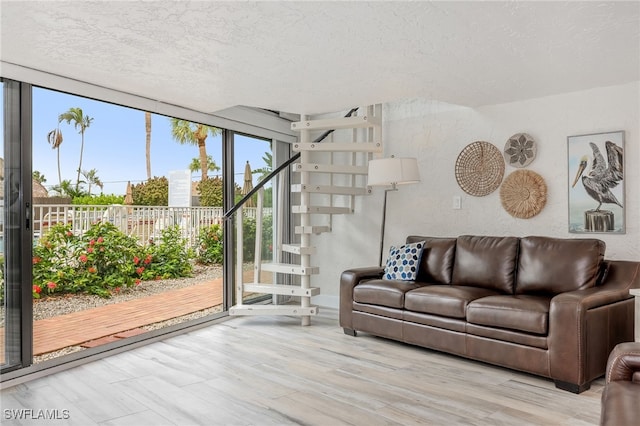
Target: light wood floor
(272,371)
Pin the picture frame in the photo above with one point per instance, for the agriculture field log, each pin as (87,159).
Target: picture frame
(596,195)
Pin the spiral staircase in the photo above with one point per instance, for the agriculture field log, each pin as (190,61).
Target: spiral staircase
(330,173)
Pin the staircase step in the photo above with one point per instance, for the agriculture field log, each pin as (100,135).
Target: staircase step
(321,210)
(289,268)
(355,122)
(291,290)
(313,229)
(330,168)
(296,249)
(290,310)
(330,189)
(339,147)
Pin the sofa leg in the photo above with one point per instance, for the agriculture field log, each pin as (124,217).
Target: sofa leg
(350,332)
(572,387)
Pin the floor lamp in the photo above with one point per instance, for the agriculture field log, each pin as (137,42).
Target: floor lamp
(391,172)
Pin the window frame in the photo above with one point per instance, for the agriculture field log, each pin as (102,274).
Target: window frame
(240,120)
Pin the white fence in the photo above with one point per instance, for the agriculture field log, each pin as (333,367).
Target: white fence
(142,222)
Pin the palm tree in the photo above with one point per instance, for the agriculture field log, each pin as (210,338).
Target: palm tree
(147,125)
(186,132)
(211,165)
(65,189)
(54,138)
(80,121)
(38,177)
(264,171)
(92,178)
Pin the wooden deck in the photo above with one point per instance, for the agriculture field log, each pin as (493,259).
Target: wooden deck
(120,320)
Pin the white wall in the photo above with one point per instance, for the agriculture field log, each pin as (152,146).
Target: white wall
(435,133)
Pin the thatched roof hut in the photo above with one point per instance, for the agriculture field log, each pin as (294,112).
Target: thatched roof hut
(38,190)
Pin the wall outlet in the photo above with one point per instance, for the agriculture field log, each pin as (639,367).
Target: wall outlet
(457,202)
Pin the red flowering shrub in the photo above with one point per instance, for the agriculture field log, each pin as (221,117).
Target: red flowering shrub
(104,259)
(36,290)
(210,247)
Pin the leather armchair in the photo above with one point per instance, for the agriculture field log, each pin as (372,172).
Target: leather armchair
(621,395)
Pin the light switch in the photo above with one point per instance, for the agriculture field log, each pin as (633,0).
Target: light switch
(457,202)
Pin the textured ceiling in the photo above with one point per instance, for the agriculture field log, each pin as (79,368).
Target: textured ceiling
(312,57)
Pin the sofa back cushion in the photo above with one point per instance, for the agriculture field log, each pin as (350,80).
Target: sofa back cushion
(436,265)
(556,265)
(488,262)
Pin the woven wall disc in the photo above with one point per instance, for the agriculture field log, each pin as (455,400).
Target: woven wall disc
(479,168)
(523,194)
(520,150)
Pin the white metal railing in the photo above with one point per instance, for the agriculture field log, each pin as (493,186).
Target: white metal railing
(142,222)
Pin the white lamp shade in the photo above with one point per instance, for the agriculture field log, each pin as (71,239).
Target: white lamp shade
(393,171)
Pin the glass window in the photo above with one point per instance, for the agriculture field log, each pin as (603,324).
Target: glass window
(3,295)
(253,162)
(128,221)
(112,222)
(14,224)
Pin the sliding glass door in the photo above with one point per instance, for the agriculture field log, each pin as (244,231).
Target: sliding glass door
(15,225)
(110,213)
(264,215)
(127,206)
(5,343)
(252,163)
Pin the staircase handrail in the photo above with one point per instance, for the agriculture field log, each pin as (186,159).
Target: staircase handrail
(277,170)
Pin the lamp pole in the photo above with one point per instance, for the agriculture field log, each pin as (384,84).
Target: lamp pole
(391,171)
(384,219)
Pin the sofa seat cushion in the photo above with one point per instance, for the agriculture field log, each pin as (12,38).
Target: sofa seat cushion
(445,300)
(382,311)
(438,321)
(523,313)
(506,335)
(388,293)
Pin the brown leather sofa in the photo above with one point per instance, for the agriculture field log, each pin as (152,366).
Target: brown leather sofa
(621,395)
(548,306)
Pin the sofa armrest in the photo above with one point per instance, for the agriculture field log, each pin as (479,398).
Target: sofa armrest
(621,392)
(621,274)
(624,363)
(582,300)
(348,280)
(585,325)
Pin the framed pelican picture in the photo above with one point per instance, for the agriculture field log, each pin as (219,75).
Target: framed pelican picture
(596,183)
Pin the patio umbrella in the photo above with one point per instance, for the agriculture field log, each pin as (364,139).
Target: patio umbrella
(128,198)
(248,183)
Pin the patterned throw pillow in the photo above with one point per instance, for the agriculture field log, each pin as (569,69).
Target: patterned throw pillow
(403,262)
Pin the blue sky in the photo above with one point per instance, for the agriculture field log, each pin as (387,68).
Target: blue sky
(115,144)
